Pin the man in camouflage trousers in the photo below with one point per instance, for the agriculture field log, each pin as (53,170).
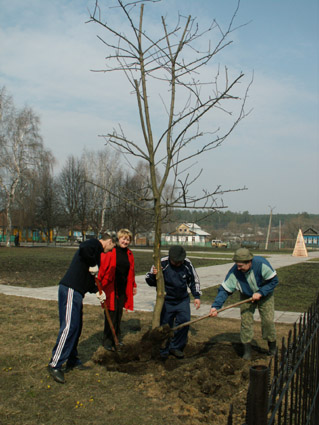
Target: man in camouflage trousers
(256,279)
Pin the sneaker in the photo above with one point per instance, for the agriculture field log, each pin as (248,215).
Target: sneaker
(56,374)
(78,366)
(177,353)
(109,346)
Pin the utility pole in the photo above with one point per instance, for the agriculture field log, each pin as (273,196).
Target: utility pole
(269,227)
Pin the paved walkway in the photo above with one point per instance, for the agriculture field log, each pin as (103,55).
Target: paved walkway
(145,297)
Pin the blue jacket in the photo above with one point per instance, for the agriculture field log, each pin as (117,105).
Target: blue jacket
(261,278)
(177,280)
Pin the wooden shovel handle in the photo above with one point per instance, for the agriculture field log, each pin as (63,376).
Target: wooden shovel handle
(208,315)
(107,314)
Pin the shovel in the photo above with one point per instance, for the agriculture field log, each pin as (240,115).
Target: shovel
(107,314)
(208,315)
(163,332)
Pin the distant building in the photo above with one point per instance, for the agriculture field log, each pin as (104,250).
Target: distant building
(311,237)
(144,239)
(187,234)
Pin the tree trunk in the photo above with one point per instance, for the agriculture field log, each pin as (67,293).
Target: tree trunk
(160,287)
(8,228)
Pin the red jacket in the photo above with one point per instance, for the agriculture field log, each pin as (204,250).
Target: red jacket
(107,278)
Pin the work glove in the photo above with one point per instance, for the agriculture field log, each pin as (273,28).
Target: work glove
(101,296)
(94,270)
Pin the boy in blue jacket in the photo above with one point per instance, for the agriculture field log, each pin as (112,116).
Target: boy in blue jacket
(254,277)
(179,276)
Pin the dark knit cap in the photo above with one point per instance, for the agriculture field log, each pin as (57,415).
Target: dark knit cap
(177,253)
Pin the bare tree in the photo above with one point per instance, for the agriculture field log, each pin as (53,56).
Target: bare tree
(46,203)
(101,170)
(171,68)
(136,210)
(21,152)
(71,181)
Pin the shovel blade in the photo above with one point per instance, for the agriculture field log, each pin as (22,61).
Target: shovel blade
(158,334)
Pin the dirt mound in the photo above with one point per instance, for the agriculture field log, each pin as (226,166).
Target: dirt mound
(199,388)
(137,349)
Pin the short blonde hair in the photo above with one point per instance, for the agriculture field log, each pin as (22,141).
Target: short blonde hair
(124,232)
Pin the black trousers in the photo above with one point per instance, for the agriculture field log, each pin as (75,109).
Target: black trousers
(116,317)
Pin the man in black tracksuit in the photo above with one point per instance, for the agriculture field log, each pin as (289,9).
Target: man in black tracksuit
(179,275)
(78,280)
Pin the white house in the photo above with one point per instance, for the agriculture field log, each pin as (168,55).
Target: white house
(187,234)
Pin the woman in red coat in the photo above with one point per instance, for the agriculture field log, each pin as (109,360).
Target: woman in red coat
(117,277)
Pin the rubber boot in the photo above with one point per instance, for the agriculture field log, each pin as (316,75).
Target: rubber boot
(272,348)
(247,352)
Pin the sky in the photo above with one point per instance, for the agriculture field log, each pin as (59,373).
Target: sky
(48,52)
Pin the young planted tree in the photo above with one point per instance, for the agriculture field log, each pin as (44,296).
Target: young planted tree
(170,69)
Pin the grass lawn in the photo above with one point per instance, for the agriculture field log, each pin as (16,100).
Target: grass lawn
(296,291)
(140,392)
(45,266)
(144,391)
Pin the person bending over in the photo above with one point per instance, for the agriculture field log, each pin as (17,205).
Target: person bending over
(78,280)
(254,277)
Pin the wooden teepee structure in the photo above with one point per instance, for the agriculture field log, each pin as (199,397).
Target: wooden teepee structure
(300,249)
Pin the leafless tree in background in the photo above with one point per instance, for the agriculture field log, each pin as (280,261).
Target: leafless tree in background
(171,66)
(102,171)
(47,202)
(71,181)
(135,208)
(21,152)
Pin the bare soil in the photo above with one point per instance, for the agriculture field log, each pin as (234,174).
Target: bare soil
(199,388)
(130,387)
